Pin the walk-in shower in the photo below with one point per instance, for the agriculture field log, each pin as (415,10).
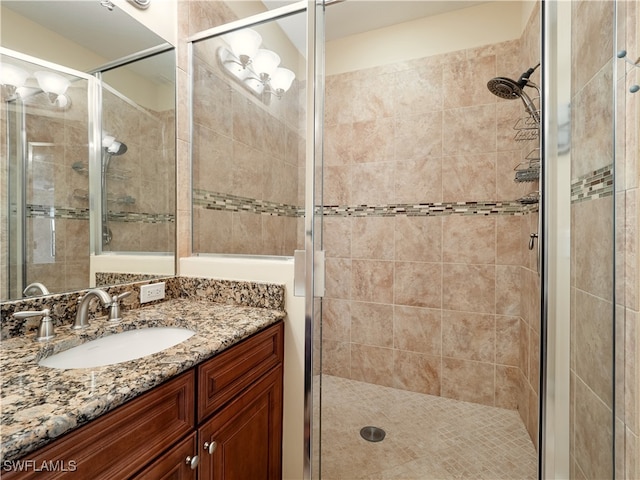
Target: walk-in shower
(422,208)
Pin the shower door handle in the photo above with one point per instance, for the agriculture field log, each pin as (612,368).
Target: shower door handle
(299,273)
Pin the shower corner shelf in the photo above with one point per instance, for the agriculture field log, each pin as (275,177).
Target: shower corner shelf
(528,171)
(530,198)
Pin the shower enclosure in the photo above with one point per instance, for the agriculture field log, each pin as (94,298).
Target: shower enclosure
(433,264)
(430,324)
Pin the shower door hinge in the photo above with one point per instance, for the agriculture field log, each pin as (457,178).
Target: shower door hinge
(300,271)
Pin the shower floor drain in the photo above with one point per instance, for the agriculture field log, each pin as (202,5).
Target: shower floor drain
(372,434)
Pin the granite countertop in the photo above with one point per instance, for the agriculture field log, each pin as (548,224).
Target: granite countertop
(39,404)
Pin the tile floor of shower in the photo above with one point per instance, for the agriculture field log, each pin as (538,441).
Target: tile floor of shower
(427,437)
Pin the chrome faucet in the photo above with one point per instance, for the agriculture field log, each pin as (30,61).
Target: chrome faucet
(35,288)
(82,314)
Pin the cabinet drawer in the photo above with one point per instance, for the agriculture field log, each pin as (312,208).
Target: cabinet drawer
(173,464)
(227,374)
(119,443)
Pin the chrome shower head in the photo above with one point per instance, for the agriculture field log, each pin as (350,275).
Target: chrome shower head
(504,87)
(509,89)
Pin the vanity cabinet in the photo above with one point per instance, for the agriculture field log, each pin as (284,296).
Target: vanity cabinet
(118,443)
(240,410)
(227,411)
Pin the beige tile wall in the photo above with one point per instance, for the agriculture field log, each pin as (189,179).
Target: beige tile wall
(444,305)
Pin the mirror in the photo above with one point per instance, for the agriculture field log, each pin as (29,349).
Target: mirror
(61,182)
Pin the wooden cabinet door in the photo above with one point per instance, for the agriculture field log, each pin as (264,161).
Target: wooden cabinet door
(247,435)
(119,443)
(176,464)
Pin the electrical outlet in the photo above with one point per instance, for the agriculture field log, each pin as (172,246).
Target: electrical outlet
(151,292)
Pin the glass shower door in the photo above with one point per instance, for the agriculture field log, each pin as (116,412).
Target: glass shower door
(427,338)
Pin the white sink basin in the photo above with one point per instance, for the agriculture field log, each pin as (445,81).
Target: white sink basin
(118,348)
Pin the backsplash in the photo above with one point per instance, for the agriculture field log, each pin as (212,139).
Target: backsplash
(63,306)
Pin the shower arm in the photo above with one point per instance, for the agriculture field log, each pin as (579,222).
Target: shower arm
(528,103)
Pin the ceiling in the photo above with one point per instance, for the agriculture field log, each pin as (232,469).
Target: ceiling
(114,34)
(110,34)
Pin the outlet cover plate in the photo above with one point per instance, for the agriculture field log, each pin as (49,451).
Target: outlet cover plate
(151,292)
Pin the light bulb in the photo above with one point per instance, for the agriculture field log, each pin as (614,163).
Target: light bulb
(265,62)
(244,42)
(282,79)
(52,82)
(107,141)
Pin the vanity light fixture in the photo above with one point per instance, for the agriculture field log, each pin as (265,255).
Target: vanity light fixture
(142,4)
(107,4)
(55,86)
(256,69)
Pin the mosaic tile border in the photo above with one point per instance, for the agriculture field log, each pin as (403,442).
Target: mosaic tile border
(44,211)
(594,185)
(431,209)
(233,203)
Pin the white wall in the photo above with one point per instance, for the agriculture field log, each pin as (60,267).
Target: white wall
(271,271)
(488,23)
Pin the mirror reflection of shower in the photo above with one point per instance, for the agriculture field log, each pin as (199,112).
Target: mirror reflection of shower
(110,148)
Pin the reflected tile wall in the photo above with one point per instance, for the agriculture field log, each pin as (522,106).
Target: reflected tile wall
(246,164)
(57,224)
(442,303)
(140,182)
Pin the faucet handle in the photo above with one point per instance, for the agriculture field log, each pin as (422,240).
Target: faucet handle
(114,307)
(45,329)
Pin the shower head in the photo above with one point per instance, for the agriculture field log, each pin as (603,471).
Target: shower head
(509,89)
(504,87)
(116,148)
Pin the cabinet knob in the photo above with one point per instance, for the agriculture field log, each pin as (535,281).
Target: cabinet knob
(210,447)
(193,462)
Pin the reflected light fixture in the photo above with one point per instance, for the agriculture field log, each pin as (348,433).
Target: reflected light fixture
(55,86)
(14,82)
(12,78)
(256,69)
